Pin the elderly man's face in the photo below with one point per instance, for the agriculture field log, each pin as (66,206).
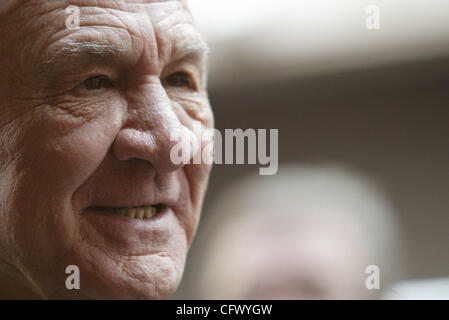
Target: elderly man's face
(85,124)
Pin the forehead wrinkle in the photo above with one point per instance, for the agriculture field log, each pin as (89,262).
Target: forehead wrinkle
(113,4)
(8,6)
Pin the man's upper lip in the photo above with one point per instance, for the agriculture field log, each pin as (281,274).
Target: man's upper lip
(129,206)
(137,194)
(130,203)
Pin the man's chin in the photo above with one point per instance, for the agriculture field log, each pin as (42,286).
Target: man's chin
(105,277)
(161,283)
(112,266)
(154,289)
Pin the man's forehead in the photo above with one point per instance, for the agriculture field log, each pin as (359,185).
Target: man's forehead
(9,6)
(98,14)
(119,13)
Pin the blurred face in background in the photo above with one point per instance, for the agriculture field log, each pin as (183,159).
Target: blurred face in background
(309,232)
(85,125)
(290,259)
(308,261)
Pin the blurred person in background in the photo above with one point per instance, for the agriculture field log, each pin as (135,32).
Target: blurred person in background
(306,233)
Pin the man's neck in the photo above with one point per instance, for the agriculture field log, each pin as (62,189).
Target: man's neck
(13,285)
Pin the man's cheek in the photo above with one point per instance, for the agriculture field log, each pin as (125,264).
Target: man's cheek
(66,162)
(197,176)
(67,156)
(73,111)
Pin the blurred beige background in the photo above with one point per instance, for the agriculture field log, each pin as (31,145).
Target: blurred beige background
(375,101)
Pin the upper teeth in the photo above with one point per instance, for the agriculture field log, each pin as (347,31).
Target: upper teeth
(146,212)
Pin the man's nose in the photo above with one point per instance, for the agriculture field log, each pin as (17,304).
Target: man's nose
(151,130)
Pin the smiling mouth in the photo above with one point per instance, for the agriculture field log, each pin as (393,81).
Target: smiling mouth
(142,212)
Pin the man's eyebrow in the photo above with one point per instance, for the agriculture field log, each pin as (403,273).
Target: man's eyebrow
(105,49)
(83,48)
(196,50)
(56,58)
(188,49)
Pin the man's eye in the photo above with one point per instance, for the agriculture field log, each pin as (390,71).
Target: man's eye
(179,80)
(97,83)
